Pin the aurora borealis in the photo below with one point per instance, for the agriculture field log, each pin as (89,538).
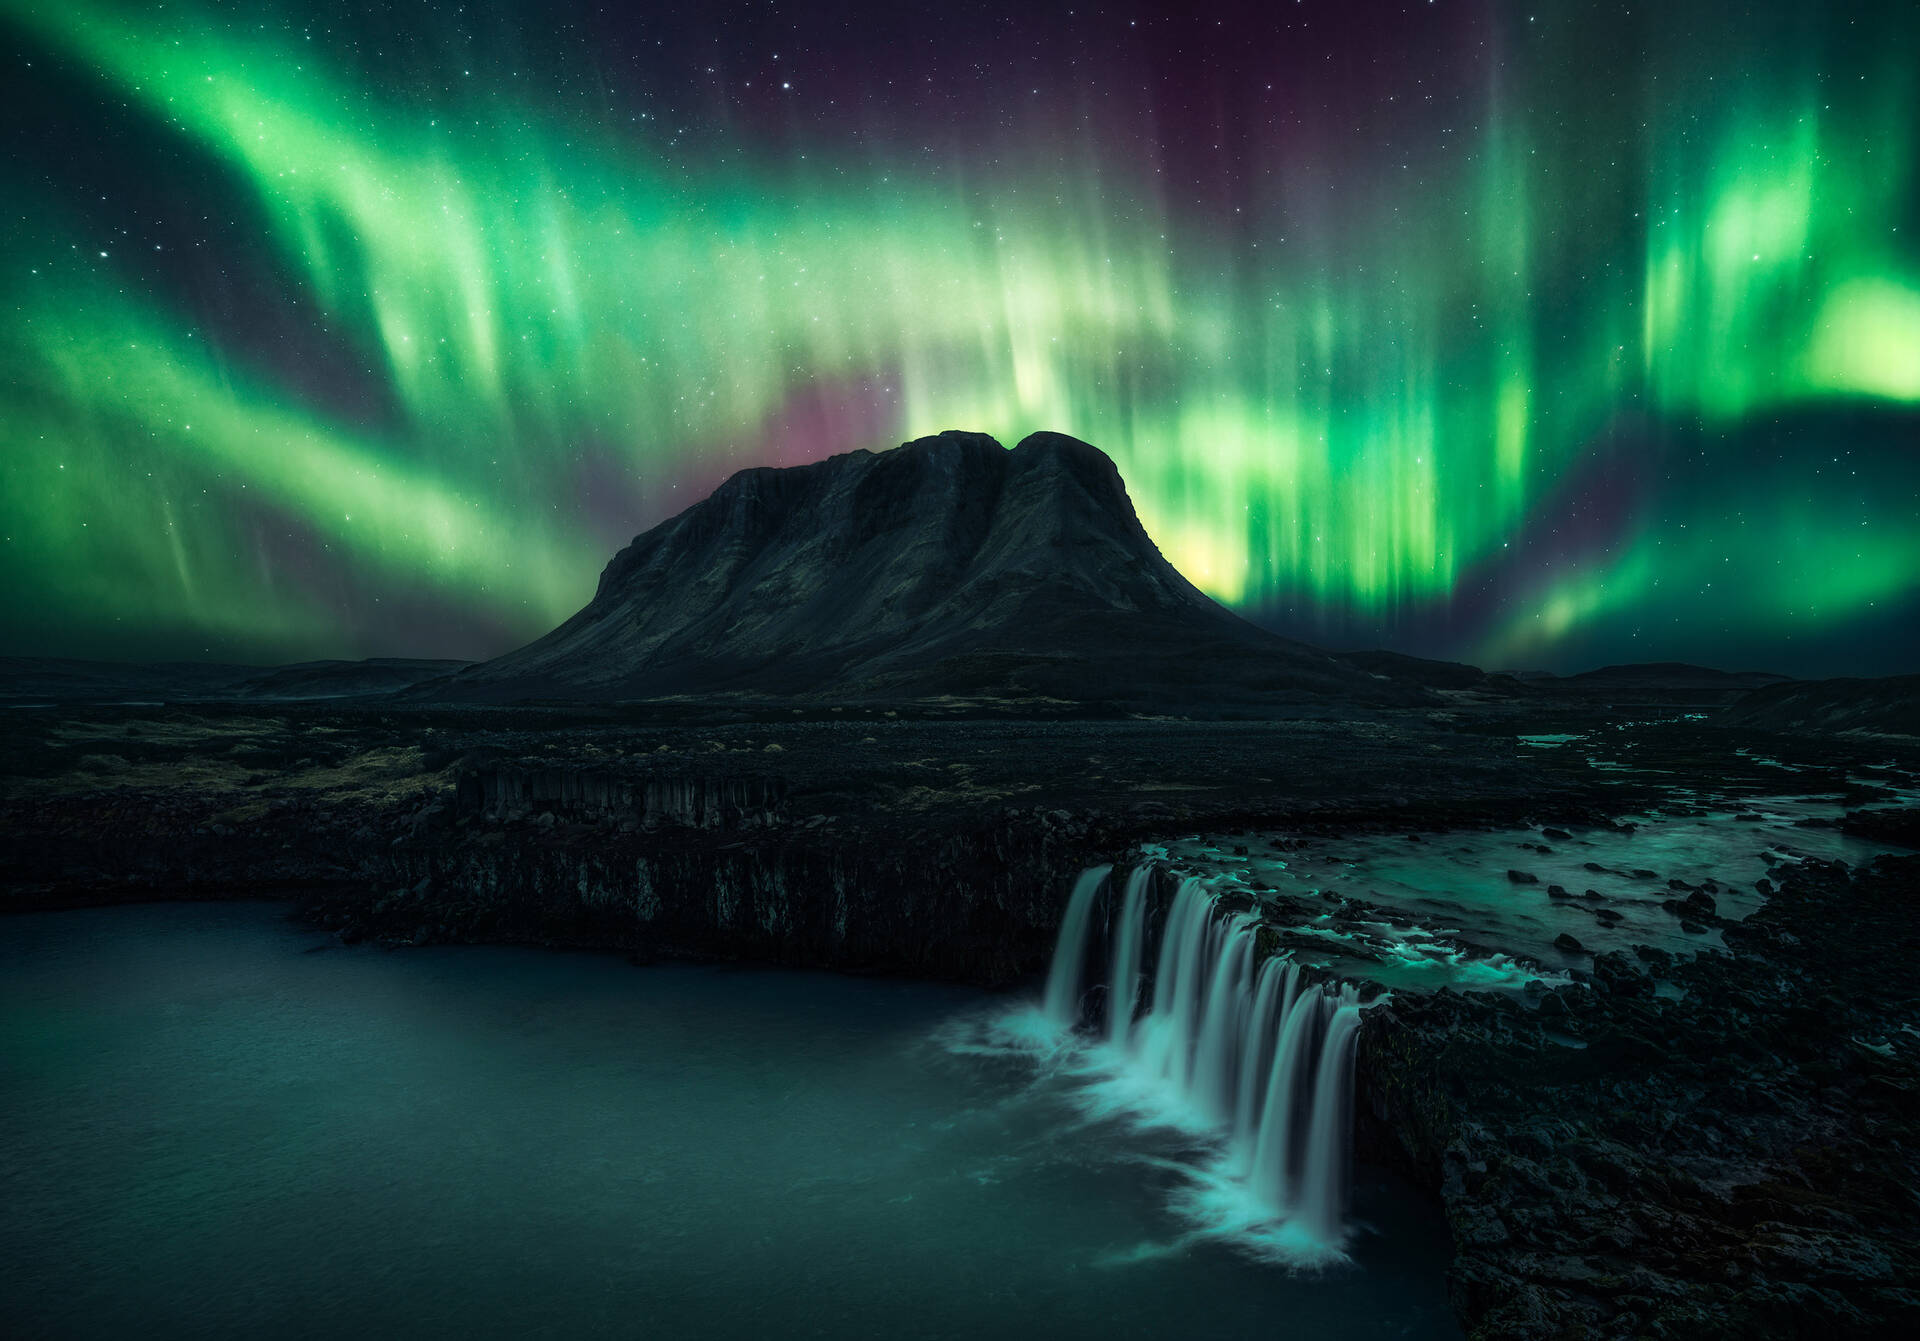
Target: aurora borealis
(1531,335)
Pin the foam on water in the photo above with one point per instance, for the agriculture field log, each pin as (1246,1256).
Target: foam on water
(1442,909)
(1246,1060)
(498,1143)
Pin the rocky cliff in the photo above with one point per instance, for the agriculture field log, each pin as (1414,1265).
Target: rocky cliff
(949,566)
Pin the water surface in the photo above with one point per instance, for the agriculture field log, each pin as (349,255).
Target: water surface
(213,1123)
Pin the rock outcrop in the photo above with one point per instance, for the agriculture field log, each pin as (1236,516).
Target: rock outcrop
(1890,705)
(949,566)
(1731,1159)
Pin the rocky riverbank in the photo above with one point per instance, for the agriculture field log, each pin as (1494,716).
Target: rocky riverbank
(1720,1146)
(866,843)
(1711,1146)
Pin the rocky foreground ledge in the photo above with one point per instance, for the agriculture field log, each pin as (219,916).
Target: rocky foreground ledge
(1723,1146)
(1743,1161)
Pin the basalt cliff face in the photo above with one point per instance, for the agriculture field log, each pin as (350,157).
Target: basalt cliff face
(949,566)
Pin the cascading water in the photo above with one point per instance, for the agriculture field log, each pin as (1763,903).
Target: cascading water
(1323,1191)
(1123,986)
(1246,1045)
(1070,951)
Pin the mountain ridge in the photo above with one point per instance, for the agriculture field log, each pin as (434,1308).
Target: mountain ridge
(948,565)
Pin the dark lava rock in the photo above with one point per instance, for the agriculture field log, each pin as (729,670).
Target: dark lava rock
(1697,905)
(1565,942)
(1558,892)
(1523,877)
(1558,835)
(1891,825)
(1619,975)
(1735,1163)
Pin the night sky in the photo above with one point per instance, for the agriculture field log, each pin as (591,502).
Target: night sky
(1537,335)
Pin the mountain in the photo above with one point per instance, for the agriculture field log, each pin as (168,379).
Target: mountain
(1888,706)
(61,680)
(1431,674)
(948,566)
(1650,684)
(1670,675)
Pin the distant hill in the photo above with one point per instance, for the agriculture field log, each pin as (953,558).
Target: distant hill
(1432,674)
(1668,675)
(1651,684)
(64,680)
(949,566)
(1890,705)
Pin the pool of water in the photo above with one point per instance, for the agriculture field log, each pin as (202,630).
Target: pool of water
(216,1124)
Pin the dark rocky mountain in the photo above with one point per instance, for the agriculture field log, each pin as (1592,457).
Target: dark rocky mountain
(1650,684)
(950,566)
(65,680)
(343,679)
(1431,674)
(1670,675)
(1890,705)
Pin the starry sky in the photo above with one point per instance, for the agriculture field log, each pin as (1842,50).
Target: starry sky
(1535,335)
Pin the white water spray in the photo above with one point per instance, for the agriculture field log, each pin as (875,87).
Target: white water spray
(1123,986)
(1262,1055)
(1070,951)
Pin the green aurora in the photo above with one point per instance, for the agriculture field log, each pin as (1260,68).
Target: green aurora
(1598,369)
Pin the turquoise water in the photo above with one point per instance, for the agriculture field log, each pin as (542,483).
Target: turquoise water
(216,1124)
(1443,910)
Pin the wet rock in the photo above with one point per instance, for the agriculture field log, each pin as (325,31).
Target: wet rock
(1523,877)
(1666,1179)
(1697,906)
(1567,943)
(1620,976)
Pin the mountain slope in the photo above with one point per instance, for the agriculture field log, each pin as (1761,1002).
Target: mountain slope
(947,566)
(1888,705)
(56,680)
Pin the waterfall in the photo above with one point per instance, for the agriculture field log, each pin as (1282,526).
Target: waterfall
(1123,986)
(1216,1053)
(1276,1144)
(1166,1035)
(1070,952)
(1247,1045)
(1323,1195)
(1278,979)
